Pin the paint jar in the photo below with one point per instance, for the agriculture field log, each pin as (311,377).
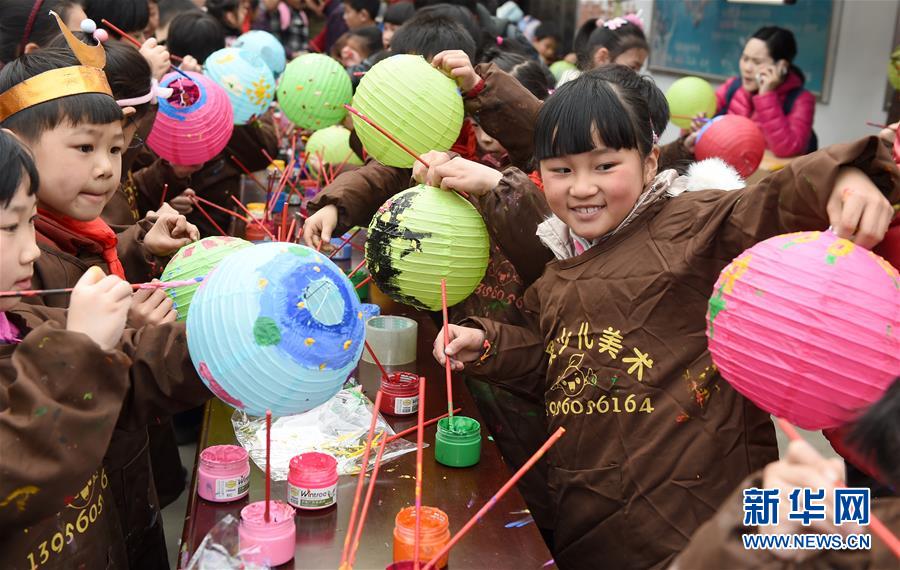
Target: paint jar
(223,474)
(400,391)
(270,543)
(401,565)
(346,250)
(435,534)
(458,442)
(392,338)
(312,481)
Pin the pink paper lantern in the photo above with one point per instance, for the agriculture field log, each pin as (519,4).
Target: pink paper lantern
(735,139)
(807,326)
(194,124)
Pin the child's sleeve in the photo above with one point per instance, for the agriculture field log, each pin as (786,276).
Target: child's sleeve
(794,198)
(512,352)
(163,378)
(358,194)
(507,111)
(139,265)
(512,213)
(57,415)
(150,181)
(786,135)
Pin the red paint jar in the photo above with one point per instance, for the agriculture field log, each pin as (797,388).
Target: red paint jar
(400,394)
(312,481)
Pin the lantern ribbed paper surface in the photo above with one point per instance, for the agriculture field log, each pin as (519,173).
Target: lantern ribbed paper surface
(735,139)
(276,326)
(423,235)
(689,96)
(313,91)
(197,259)
(560,67)
(806,326)
(266,46)
(332,145)
(194,124)
(894,69)
(411,100)
(248,81)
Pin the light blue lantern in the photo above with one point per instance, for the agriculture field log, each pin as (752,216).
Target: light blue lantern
(276,326)
(266,46)
(248,81)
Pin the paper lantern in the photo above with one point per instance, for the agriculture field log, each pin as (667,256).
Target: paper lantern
(422,235)
(733,138)
(413,101)
(265,46)
(197,259)
(557,68)
(194,124)
(313,91)
(276,326)
(807,326)
(894,69)
(688,97)
(330,146)
(248,81)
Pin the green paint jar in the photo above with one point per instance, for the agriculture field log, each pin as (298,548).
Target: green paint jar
(458,442)
(356,279)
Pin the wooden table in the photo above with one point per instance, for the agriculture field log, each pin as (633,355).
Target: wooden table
(458,492)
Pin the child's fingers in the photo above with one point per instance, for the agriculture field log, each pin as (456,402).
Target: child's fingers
(873,224)
(850,212)
(92,276)
(121,290)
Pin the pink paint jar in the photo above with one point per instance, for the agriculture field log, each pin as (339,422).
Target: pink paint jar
(223,474)
(270,543)
(312,481)
(400,392)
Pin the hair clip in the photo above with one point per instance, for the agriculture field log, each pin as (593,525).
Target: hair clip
(615,23)
(653,134)
(90,28)
(635,18)
(499,40)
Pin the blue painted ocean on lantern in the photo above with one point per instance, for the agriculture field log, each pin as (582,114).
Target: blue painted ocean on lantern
(266,46)
(248,81)
(276,326)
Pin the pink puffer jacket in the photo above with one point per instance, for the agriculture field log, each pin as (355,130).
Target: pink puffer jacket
(786,135)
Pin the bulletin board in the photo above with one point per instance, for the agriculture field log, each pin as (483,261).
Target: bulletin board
(706,37)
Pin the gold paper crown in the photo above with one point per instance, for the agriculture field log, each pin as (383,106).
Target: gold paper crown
(63,82)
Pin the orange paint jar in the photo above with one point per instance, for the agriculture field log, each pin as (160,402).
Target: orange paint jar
(435,535)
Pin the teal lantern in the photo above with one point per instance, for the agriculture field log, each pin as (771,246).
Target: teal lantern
(688,97)
(423,235)
(313,91)
(277,326)
(330,146)
(411,100)
(266,46)
(197,259)
(249,83)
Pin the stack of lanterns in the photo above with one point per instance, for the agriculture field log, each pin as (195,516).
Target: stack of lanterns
(277,327)
(248,81)
(194,124)
(806,326)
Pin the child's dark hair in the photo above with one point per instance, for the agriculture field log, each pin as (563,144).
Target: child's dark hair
(195,33)
(130,16)
(428,34)
(533,75)
(370,6)
(370,36)
(15,161)
(547,30)
(218,10)
(127,72)
(624,108)
(168,9)
(781,44)
(397,14)
(591,37)
(470,5)
(31,123)
(877,434)
(14,31)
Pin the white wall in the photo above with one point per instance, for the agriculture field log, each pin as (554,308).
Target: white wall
(860,71)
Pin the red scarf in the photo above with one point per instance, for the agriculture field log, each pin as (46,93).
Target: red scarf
(466,145)
(74,237)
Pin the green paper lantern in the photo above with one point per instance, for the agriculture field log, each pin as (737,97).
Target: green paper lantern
(688,97)
(313,91)
(197,259)
(411,100)
(894,69)
(423,235)
(332,146)
(560,67)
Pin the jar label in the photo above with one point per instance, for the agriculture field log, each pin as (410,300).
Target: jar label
(406,405)
(232,488)
(305,498)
